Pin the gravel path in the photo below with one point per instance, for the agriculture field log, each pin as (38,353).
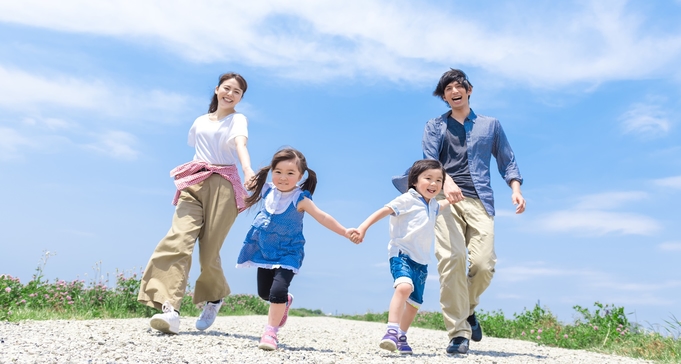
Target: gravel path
(235,339)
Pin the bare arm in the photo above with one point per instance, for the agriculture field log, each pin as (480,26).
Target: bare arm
(244,158)
(323,218)
(372,219)
(517,197)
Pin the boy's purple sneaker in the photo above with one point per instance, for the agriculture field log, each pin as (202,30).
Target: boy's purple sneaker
(402,345)
(288,305)
(389,341)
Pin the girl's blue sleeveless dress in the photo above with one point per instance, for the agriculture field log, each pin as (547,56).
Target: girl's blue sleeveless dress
(276,240)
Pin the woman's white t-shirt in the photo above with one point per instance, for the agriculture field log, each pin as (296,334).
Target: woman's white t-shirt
(214,141)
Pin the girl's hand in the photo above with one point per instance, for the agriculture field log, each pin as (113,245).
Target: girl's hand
(357,236)
(354,235)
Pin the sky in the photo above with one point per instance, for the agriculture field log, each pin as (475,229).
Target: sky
(96,100)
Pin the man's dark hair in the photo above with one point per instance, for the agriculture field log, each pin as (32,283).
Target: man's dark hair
(453,75)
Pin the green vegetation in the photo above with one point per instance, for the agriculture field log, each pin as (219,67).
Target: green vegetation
(606,329)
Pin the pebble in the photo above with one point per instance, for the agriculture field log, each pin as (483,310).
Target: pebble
(234,339)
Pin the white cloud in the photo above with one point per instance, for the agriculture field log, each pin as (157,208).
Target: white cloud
(609,200)
(582,41)
(21,91)
(671,246)
(48,123)
(673,182)
(645,121)
(590,222)
(115,144)
(12,143)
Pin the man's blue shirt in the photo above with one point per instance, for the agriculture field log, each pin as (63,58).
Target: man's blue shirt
(484,138)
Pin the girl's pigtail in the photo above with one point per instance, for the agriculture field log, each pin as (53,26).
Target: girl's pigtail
(310,182)
(260,179)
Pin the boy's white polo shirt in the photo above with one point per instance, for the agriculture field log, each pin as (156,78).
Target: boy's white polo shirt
(412,226)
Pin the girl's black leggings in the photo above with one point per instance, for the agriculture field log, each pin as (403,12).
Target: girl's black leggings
(273,284)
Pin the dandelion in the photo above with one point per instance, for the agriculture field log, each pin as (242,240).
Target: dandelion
(8,290)
(539,331)
(565,336)
(538,337)
(68,298)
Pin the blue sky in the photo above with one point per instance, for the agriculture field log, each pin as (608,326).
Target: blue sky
(96,101)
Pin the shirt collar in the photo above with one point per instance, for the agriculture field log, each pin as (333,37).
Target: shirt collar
(471,116)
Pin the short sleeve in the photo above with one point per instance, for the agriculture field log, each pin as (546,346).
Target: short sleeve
(265,189)
(191,139)
(399,204)
(303,194)
(239,126)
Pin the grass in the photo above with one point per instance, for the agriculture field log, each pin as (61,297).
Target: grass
(605,328)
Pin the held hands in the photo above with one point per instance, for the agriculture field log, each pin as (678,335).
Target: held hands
(249,177)
(452,191)
(357,235)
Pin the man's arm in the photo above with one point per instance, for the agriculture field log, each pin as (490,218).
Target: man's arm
(517,197)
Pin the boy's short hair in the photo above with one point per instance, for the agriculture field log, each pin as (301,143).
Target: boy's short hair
(421,166)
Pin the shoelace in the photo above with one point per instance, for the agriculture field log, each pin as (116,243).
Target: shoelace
(210,311)
(167,307)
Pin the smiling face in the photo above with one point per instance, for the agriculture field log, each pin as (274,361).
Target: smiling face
(286,175)
(456,95)
(429,183)
(229,94)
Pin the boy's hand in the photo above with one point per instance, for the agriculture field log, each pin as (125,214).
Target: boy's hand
(357,236)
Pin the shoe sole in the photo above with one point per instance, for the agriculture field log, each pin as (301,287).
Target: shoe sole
(406,352)
(162,325)
(288,306)
(268,347)
(388,345)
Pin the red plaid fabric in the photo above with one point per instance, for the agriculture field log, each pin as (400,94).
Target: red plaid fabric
(191,173)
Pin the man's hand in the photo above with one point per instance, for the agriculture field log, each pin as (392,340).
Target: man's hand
(517,197)
(452,191)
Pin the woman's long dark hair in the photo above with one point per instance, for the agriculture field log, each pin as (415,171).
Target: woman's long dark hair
(224,77)
(286,154)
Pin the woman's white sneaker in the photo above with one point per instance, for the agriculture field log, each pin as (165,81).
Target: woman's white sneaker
(208,315)
(168,321)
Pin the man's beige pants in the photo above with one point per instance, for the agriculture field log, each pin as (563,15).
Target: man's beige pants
(463,226)
(205,211)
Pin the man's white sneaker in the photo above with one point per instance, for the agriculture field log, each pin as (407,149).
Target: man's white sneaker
(168,321)
(208,315)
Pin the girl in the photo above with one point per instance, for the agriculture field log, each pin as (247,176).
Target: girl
(209,197)
(412,232)
(275,241)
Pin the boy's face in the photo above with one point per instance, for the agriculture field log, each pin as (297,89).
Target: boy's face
(429,183)
(457,96)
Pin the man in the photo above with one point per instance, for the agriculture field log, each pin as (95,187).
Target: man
(465,142)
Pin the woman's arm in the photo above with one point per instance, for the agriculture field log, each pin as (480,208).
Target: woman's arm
(244,158)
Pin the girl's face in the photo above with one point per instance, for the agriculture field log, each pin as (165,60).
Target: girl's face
(429,183)
(286,175)
(229,94)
